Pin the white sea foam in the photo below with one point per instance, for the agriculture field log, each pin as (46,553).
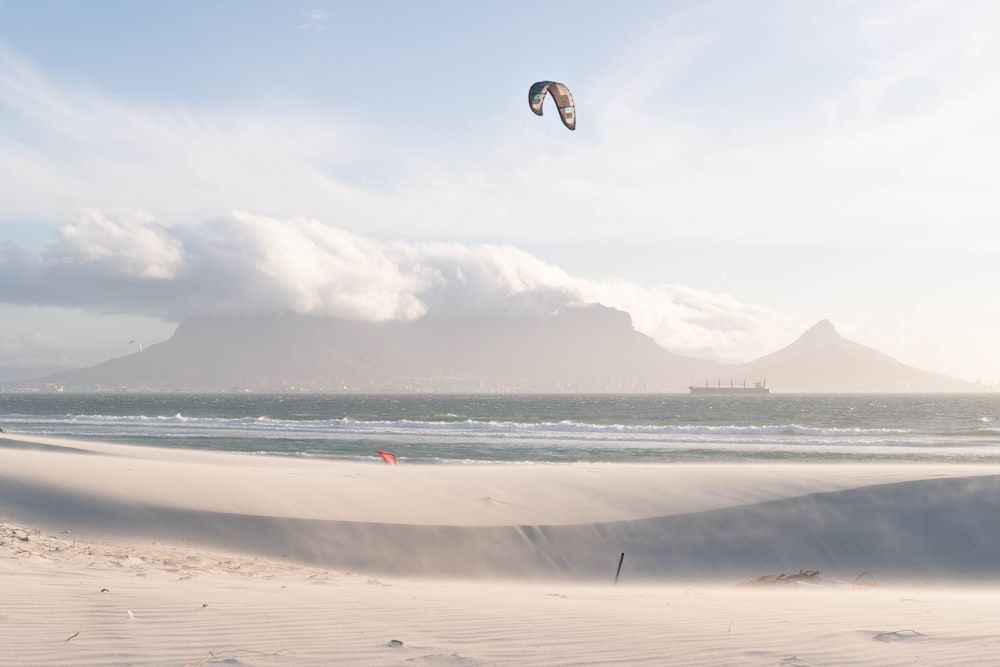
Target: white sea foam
(537,429)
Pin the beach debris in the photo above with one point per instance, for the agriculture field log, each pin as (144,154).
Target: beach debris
(105,590)
(897,635)
(621,560)
(75,634)
(866,578)
(130,614)
(793,661)
(803,576)
(388,457)
(395,643)
(233,654)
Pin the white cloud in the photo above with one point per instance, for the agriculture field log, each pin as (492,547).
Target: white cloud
(682,318)
(248,263)
(129,246)
(243,263)
(314,20)
(485,280)
(67,148)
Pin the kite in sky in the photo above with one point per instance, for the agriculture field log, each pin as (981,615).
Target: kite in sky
(561,95)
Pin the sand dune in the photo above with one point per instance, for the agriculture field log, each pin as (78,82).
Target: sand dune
(117,555)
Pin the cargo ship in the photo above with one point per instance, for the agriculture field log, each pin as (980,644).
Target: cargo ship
(732,388)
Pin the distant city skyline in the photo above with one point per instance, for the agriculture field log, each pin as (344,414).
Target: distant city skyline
(738,173)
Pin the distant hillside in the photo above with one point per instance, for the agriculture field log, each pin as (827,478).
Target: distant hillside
(823,361)
(591,349)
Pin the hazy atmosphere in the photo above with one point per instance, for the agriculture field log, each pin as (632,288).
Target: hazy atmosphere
(739,171)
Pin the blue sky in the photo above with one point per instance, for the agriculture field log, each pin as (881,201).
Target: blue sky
(739,171)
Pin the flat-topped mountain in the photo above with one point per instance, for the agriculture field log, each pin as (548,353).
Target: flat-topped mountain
(588,349)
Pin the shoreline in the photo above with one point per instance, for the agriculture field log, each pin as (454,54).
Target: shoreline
(673,520)
(123,555)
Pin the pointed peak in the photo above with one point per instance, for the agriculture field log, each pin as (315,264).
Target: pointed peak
(822,330)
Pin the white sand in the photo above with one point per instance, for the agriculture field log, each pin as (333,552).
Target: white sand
(246,560)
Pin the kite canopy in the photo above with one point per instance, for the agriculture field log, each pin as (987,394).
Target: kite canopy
(561,95)
(388,457)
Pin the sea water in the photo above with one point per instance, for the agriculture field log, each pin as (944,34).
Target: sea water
(530,429)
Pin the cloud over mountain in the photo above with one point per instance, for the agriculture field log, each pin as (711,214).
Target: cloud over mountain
(129,263)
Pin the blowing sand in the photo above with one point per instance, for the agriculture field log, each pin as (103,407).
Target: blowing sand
(117,555)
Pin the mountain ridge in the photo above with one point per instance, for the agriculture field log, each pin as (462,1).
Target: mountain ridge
(592,349)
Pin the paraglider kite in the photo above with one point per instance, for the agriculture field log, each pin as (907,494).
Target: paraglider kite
(561,95)
(388,457)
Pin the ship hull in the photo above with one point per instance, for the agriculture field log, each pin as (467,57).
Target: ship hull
(729,390)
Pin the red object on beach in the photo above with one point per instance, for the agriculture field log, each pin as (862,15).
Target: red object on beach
(387,457)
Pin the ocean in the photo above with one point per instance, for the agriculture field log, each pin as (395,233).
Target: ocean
(530,429)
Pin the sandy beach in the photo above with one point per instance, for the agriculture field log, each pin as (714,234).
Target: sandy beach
(120,555)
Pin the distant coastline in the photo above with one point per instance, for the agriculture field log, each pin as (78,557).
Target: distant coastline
(732,388)
(592,350)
